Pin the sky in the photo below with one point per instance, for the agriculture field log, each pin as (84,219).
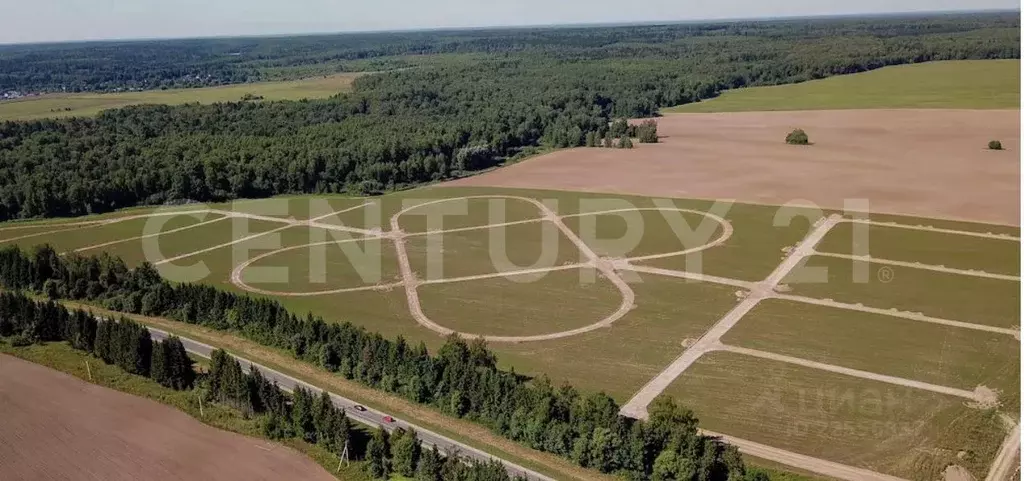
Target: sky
(23,21)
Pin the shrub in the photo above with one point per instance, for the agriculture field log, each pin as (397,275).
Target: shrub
(21,340)
(648,132)
(995,145)
(797,137)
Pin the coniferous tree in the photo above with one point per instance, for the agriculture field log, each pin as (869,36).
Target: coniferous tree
(303,422)
(378,454)
(158,368)
(405,448)
(429,468)
(324,420)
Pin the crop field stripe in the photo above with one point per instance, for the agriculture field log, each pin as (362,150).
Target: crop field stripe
(179,229)
(899,381)
(289,223)
(987,235)
(919,265)
(219,246)
(48,232)
(54,224)
(522,272)
(473,228)
(687,275)
(897,313)
(809,463)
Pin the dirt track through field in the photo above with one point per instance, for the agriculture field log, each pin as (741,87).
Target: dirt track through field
(637,406)
(55,426)
(927,163)
(610,267)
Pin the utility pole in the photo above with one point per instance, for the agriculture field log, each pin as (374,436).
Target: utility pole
(344,457)
(88,369)
(200,396)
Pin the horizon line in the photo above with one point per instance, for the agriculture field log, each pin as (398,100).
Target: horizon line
(519,26)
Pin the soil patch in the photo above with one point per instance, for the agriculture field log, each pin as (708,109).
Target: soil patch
(928,163)
(55,426)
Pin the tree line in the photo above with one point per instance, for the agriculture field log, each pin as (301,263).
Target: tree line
(120,342)
(505,92)
(461,379)
(153,64)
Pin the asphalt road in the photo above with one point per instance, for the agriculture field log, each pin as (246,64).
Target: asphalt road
(370,417)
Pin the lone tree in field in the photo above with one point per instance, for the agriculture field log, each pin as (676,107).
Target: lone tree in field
(797,137)
(995,145)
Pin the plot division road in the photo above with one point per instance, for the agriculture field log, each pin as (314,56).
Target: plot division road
(370,417)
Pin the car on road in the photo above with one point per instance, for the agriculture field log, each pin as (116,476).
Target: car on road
(359,407)
(388,419)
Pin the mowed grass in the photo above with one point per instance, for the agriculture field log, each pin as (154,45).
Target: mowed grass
(521,305)
(620,359)
(644,233)
(485,251)
(73,238)
(756,247)
(87,104)
(959,84)
(904,432)
(937,354)
(978,300)
(323,267)
(951,250)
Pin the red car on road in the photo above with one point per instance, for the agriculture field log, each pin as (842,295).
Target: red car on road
(388,419)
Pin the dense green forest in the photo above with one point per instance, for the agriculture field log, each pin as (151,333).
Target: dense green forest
(461,379)
(501,94)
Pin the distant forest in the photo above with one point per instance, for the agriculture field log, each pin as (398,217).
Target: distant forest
(492,96)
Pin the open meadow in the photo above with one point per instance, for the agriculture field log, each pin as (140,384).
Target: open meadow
(955,84)
(87,104)
(861,333)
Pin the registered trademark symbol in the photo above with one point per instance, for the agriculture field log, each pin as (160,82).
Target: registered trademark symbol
(885,274)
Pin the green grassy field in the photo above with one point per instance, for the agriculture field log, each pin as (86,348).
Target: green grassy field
(900,431)
(992,302)
(959,84)
(962,252)
(668,312)
(519,305)
(86,104)
(943,355)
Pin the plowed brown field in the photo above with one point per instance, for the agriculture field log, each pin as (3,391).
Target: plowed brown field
(928,163)
(56,427)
